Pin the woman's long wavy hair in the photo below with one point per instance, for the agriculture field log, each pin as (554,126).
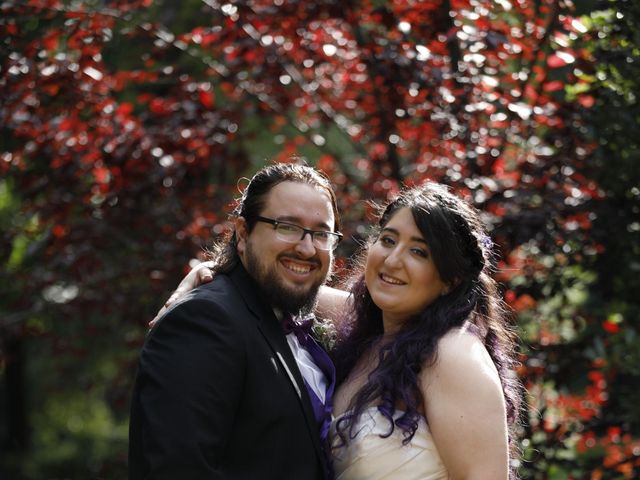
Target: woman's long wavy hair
(461,251)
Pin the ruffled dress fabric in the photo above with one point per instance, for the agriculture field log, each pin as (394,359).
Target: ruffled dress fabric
(371,457)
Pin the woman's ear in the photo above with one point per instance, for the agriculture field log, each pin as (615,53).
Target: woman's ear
(449,286)
(241,233)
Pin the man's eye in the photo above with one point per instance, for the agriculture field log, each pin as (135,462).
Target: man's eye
(286,228)
(321,234)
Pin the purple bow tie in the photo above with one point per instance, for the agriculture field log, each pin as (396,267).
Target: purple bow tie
(300,326)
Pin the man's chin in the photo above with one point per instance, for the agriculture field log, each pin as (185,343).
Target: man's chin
(296,299)
(299,289)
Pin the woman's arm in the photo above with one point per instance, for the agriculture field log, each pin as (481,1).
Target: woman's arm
(332,303)
(465,409)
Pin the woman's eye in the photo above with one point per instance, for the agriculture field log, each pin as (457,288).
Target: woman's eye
(387,241)
(420,252)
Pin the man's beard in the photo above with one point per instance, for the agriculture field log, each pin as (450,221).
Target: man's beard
(288,300)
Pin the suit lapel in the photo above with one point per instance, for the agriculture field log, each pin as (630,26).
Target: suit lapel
(269,326)
(271,330)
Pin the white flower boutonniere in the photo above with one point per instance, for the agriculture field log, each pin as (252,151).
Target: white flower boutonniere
(325,333)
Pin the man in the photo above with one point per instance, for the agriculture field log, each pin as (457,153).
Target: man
(222,391)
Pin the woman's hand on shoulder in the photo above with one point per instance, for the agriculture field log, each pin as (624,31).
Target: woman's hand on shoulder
(200,274)
(465,409)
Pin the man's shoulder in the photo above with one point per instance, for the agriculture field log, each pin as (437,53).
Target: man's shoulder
(230,293)
(236,281)
(214,306)
(220,287)
(221,291)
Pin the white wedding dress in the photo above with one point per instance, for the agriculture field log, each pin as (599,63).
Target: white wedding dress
(371,457)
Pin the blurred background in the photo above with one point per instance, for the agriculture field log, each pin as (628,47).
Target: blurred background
(126,124)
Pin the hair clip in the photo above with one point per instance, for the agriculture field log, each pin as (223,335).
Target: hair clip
(485,241)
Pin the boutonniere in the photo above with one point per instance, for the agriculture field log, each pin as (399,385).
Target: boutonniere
(325,333)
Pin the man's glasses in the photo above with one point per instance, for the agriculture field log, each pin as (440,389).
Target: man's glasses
(292,233)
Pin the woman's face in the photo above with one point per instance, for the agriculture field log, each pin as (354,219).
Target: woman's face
(400,273)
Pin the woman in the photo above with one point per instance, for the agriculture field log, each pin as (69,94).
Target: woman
(424,356)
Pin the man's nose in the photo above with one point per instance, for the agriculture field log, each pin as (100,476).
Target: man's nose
(305,246)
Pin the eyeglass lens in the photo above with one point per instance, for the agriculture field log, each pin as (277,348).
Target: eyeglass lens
(295,233)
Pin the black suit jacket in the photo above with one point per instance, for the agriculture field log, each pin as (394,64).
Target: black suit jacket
(218,393)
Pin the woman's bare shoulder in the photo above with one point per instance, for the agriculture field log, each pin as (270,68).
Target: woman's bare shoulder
(462,357)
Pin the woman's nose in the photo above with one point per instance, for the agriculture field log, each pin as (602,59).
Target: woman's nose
(394,258)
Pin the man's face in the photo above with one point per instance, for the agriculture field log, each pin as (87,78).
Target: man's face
(290,274)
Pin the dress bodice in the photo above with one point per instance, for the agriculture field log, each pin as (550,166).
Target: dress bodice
(372,457)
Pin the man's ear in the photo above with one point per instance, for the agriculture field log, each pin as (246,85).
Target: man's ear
(240,225)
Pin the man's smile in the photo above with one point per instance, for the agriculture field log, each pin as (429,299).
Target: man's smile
(297,266)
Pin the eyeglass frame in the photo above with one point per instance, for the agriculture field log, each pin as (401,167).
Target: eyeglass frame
(305,231)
